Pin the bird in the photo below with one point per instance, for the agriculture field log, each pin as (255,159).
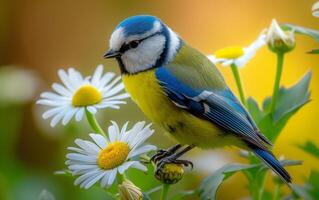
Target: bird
(180,89)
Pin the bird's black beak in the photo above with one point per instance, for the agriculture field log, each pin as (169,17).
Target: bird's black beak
(111,54)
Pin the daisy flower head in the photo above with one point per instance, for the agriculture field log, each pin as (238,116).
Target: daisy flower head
(77,94)
(315,9)
(278,40)
(237,55)
(102,159)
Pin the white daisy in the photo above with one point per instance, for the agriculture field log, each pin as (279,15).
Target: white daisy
(315,9)
(78,93)
(238,55)
(102,159)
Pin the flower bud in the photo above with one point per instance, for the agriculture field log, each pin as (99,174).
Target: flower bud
(129,191)
(170,173)
(279,41)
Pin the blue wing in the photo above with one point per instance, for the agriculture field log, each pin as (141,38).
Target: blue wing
(218,106)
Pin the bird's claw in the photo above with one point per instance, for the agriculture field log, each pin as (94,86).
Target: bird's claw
(162,153)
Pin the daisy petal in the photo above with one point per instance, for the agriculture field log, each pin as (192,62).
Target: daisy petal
(99,140)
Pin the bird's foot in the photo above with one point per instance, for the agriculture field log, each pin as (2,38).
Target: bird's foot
(162,153)
(170,156)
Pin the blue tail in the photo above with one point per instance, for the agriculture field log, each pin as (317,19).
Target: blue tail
(273,163)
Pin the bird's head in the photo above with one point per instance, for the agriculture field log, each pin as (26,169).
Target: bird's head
(143,42)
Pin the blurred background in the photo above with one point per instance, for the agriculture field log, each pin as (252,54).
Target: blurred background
(39,37)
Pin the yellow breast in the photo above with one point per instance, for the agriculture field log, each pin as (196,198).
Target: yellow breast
(186,128)
(147,94)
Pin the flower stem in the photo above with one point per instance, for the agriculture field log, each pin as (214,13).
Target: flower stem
(277,190)
(280,62)
(164,191)
(236,74)
(93,123)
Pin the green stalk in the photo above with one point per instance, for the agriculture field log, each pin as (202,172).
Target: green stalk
(236,74)
(262,187)
(277,190)
(280,63)
(164,191)
(93,123)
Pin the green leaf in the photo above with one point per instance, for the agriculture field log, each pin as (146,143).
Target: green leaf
(314,51)
(302,30)
(314,184)
(254,110)
(209,186)
(301,191)
(146,196)
(310,148)
(290,100)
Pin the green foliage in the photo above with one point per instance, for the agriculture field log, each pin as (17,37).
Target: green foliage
(310,148)
(290,100)
(314,51)
(209,186)
(302,30)
(254,172)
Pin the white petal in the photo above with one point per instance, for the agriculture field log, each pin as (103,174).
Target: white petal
(113,131)
(228,62)
(53,96)
(105,79)
(92,109)
(109,86)
(75,77)
(138,165)
(315,9)
(78,150)
(81,167)
(107,105)
(52,111)
(112,176)
(89,182)
(61,90)
(213,59)
(81,157)
(141,150)
(99,140)
(68,116)
(79,114)
(105,179)
(114,90)
(122,168)
(88,146)
(47,102)
(86,176)
(55,120)
(66,80)
(118,97)
(97,75)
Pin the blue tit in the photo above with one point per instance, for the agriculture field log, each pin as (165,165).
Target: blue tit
(178,88)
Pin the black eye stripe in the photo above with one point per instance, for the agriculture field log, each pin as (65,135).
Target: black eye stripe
(127,46)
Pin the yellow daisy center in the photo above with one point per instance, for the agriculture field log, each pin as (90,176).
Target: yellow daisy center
(86,95)
(230,52)
(113,155)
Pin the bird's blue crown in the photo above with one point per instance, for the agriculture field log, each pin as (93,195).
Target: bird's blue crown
(137,25)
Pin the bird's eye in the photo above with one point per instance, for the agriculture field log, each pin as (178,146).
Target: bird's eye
(133,44)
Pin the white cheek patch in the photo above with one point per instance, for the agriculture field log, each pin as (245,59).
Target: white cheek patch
(145,55)
(117,39)
(174,44)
